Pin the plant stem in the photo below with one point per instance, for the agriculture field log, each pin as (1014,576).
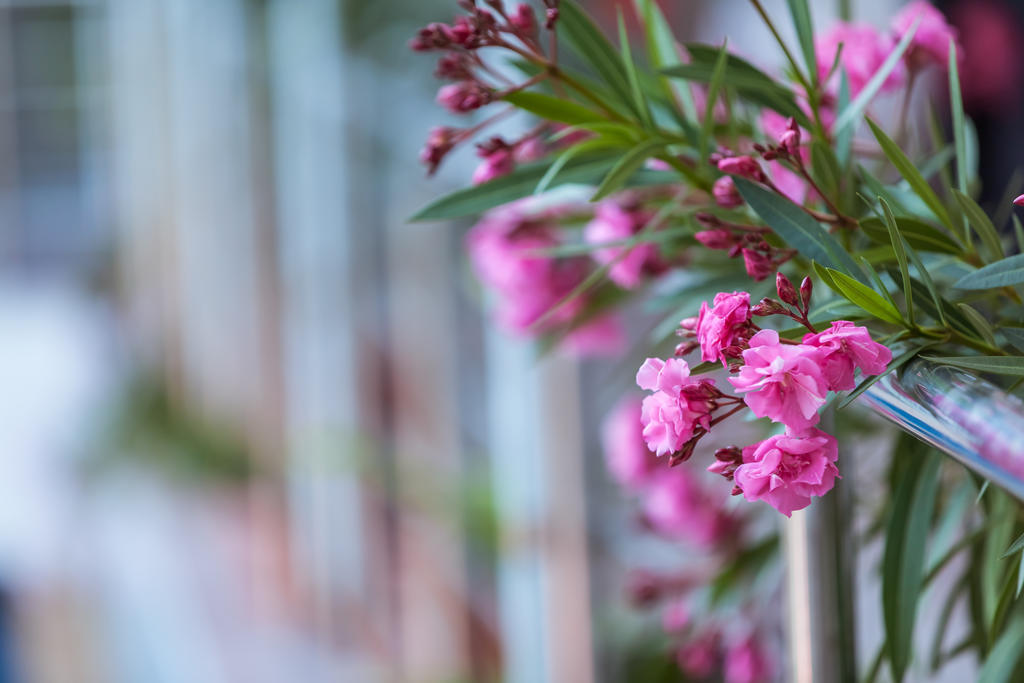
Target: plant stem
(778,38)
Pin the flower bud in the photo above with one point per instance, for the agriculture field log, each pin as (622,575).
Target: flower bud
(790,139)
(551,14)
(743,166)
(463,97)
(716,239)
(805,292)
(688,323)
(439,143)
(786,290)
(758,265)
(725,193)
(767,307)
(1019,201)
(524,20)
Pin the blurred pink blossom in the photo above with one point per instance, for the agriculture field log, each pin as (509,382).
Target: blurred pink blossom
(864,51)
(678,507)
(725,193)
(463,97)
(930,43)
(614,223)
(604,335)
(993,57)
(626,455)
(758,265)
(743,166)
(722,325)
(495,164)
(786,470)
(676,616)
(747,662)
(844,348)
(699,657)
(783,382)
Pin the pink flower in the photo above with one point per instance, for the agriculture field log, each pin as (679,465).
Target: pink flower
(723,325)
(747,662)
(496,163)
(698,657)
(676,617)
(613,223)
(782,382)
(993,57)
(743,166)
(844,348)
(530,149)
(725,193)
(786,470)
(463,97)
(678,507)
(789,183)
(864,51)
(1019,201)
(758,265)
(602,336)
(932,38)
(677,406)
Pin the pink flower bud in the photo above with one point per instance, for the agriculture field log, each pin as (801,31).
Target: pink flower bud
(1019,201)
(787,292)
(767,307)
(716,239)
(463,97)
(743,166)
(524,21)
(439,143)
(496,164)
(790,141)
(725,193)
(806,287)
(758,265)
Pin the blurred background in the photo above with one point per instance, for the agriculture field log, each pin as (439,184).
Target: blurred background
(253,425)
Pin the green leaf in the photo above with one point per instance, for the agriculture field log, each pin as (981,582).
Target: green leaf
(917,233)
(982,224)
(553,108)
(1015,336)
(1012,366)
(1008,271)
(750,83)
(979,323)
(625,167)
(825,167)
(474,200)
(844,137)
(959,128)
(910,173)
(1014,547)
(585,147)
(663,53)
(714,85)
(901,257)
(796,228)
(940,304)
(801,14)
(860,295)
(1018,232)
(1003,659)
(903,560)
(589,42)
(860,103)
(639,101)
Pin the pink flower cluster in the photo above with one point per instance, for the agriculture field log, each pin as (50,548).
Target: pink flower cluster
(615,222)
(786,381)
(506,249)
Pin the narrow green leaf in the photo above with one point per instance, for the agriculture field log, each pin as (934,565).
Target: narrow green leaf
(917,233)
(639,101)
(844,137)
(940,304)
(979,323)
(474,200)
(583,148)
(860,295)
(1008,271)
(708,122)
(901,257)
(1012,366)
(981,491)
(801,13)
(626,166)
(876,280)
(982,224)
(1014,547)
(910,173)
(959,129)
(590,44)
(1020,576)
(848,116)
(1014,335)
(903,559)
(825,167)
(662,51)
(553,108)
(796,228)
(1018,232)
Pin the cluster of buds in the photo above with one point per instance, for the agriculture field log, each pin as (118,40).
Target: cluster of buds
(787,148)
(727,460)
(799,301)
(760,258)
(492,26)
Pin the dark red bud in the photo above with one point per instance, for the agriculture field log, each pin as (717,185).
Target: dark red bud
(767,307)
(805,292)
(787,292)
